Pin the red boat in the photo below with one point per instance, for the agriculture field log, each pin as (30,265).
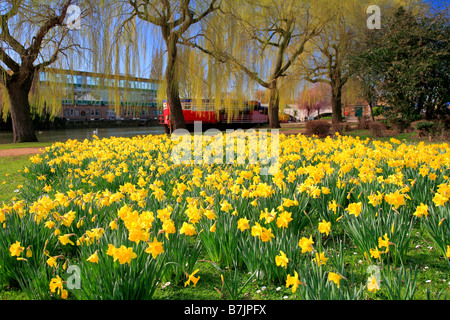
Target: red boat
(251,114)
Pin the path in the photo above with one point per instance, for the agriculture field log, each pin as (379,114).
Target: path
(20,152)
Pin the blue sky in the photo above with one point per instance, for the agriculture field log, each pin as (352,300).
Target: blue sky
(438,3)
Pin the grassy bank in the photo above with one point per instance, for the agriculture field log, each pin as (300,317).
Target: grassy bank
(10,177)
(7,146)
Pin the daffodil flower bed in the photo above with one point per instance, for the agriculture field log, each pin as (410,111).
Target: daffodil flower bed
(127,218)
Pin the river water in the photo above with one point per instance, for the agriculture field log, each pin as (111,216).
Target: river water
(61,135)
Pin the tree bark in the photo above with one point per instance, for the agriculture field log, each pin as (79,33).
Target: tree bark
(336,103)
(172,90)
(371,111)
(274,121)
(22,124)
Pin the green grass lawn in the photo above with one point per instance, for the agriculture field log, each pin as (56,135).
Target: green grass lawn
(24,145)
(10,176)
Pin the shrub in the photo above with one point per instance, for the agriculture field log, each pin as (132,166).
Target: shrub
(377,111)
(426,126)
(400,124)
(348,127)
(377,129)
(363,123)
(318,127)
(337,127)
(430,128)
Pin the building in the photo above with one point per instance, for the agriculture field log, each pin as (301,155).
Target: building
(88,96)
(356,111)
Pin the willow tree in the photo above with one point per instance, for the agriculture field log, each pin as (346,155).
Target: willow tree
(173,19)
(33,36)
(328,59)
(262,40)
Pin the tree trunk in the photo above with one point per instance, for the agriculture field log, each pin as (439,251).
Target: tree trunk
(372,104)
(172,90)
(336,104)
(274,121)
(22,124)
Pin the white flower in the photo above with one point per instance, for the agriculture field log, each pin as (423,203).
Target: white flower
(263,288)
(285,297)
(428,281)
(279,288)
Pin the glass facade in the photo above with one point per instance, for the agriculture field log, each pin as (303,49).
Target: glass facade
(89,95)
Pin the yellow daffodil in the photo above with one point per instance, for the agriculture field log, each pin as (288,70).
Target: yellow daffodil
(335,277)
(293,281)
(281,260)
(16,249)
(155,248)
(354,208)
(372,284)
(93,258)
(306,244)
(192,278)
(325,227)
